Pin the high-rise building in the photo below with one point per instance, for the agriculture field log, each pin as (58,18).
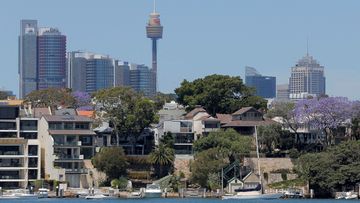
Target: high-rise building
(140,79)
(282,92)
(122,73)
(51,60)
(154,31)
(41,58)
(27,57)
(265,86)
(307,78)
(89,72)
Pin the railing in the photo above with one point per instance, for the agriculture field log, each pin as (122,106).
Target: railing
(9,177)
(185,129)
(32,128)
(10,153)
(67,156)
(76,170)
(11,165)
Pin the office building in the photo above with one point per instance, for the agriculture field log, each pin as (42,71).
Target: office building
(265,86)
(42,62)
(122,74)
(282,92)
(27,57)
(154,31)
(140,79)
(19,145)
(51,60)
(307,79)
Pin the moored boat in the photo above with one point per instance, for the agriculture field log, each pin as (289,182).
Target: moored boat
(153,191)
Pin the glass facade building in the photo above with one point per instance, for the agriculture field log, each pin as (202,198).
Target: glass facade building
(99,74)
(265,86)
(141,79)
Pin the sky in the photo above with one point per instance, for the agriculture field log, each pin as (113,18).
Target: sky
(201,37)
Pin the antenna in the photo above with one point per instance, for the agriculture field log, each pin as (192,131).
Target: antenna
(307,46)
(154,10)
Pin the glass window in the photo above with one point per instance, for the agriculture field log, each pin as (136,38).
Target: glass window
(82,126)
(68,126)
(55,126)
(28,135)
(28,125)
(7,126)
(86,140)
(33,150)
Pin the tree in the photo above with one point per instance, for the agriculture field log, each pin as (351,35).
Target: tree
(83,100)
(205,163)
(161,98)
(111,161)
(3,95)
(286,112)
(326,113)
(129,112)
(218,94)
(51,97)
(334,169)
(168,140)
(228,142)
(162,157)
(269,136)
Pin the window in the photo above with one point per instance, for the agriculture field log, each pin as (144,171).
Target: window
(55,126)
(82,126)
(28,135)
(28,125)
(68,126)
(7,126)
(86,140)
(33,150)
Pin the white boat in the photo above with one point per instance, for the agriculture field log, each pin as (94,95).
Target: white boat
(43,193)
(153,191)
(99,196)
(12,196)
(253,193)
(135,195)
(26,195)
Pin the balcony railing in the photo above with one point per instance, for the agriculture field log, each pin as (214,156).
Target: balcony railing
(10,153)
(185,129)
(76,170)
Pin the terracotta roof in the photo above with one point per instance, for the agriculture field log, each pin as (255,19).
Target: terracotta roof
(224,118)
(207,118)
(243,110)
(71,132)
(67,118)
(195,111)
(242,123)
(89,114)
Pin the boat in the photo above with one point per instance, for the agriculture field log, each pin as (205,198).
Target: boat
(136,195)
(153,191)
(347,195)
(99,196)
(43,193)
(257,192)
(26,195)
(12,196)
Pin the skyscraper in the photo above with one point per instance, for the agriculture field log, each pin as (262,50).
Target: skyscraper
(265,86)
(122,73)
(154,31)
(140,79)
(89,72)
(307,78)
(41,58)
(51,60)
(27,57)
(282,92)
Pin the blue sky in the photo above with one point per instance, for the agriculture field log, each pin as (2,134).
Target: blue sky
(201,37)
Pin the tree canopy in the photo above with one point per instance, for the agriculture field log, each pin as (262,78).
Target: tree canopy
(129,112)
(334,169)
(218,94)
(162,157)
(51,97)
(111,161)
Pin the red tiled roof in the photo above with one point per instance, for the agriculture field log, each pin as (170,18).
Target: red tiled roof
(195,111)
(89,114)
(224,118)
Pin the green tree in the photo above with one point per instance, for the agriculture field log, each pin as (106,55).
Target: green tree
(214,181)
(111,161)
(207,162)
(168,139)
(161,98)
(129,112)
(334,169)
(218,94)
(3,95)
(229,142)
(51,97)
(162,157)
(269,136)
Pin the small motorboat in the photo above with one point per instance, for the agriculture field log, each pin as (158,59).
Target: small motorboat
(12,196)
(99,196)
(43,193)
(153,191)
(136,195)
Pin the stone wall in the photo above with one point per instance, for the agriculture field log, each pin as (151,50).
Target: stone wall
(269,164)
(182,164)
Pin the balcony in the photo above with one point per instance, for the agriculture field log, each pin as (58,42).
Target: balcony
(69,157)
(184,138)
(185,129)
(76,170)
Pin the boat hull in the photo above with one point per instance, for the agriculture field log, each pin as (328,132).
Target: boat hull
(153,194)
(253,196)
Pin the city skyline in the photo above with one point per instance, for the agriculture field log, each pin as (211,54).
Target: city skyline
(334,38)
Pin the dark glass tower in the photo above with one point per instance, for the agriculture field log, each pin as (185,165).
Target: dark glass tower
(265,86)
(154,31)
(51,60)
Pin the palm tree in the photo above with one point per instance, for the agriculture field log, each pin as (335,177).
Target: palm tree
(162,157)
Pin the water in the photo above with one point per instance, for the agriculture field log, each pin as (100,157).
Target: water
(163,200)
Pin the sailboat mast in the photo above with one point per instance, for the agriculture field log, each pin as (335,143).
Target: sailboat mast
(258,156)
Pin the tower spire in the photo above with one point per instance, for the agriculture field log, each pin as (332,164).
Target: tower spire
(154,4)
(307,46)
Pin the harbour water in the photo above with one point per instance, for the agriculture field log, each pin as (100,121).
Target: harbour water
(163,200)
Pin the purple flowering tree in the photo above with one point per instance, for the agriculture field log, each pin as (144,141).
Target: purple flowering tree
(83,100)
(326,114)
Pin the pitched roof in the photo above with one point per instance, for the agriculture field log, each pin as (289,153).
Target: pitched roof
(39,112)
(243,110)
(195,111)
(242,123)
(62,112)
(55,118)
(224,118)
